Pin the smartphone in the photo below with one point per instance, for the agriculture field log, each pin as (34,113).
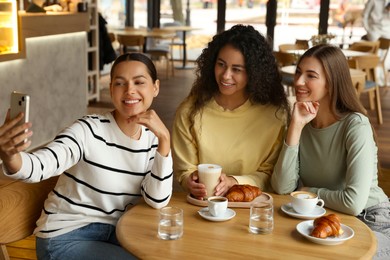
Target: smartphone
(20,102)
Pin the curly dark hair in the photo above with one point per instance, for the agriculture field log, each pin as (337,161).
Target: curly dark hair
(264,80)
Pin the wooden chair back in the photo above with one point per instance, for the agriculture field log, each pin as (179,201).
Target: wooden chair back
(284,58)
(365,46)
(112,37)
(304,44)
(358,82)
(290,46)
(368,64)
(162,48)
(135,41)
(384,45)
(21,205)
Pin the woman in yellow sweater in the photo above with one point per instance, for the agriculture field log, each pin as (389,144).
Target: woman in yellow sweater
(234,116)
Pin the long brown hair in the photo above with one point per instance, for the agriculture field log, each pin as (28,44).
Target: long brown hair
(343,98)
(342,93)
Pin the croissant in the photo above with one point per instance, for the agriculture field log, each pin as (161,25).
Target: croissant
(242,193)
(327,226)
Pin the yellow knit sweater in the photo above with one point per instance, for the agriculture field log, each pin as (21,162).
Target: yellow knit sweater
(245,141)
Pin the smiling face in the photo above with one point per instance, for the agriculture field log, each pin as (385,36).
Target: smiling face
(310,81)
(230,73)
(132,89)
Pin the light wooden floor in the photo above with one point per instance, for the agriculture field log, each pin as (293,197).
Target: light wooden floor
(172,92)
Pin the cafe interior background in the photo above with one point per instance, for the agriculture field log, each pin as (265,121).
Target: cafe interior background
(52,84)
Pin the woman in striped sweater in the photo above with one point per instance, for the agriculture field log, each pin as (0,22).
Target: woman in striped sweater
(106,164)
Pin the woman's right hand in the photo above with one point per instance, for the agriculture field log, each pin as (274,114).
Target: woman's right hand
(12,142)
(198,190)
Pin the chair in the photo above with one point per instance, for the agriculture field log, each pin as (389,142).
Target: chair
(286,59)
(368,64)
(304,44)
(178,40)
(285,47)
(384,45)
(357,81)
(112,37)
(21,205)
(133,43)
(157,48)
(365,46)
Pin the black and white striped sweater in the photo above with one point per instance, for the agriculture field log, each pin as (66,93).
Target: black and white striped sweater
(102,172)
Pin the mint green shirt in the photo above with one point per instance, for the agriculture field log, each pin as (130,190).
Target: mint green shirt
(338,162)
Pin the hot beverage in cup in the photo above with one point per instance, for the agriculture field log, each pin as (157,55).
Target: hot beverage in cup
(217,205)
(209,175)
(305,202)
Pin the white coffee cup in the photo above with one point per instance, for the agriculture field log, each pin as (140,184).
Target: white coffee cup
(217,205)
(209,175)
(305,202)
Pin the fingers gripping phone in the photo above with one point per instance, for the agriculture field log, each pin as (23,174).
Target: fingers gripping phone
(20,103)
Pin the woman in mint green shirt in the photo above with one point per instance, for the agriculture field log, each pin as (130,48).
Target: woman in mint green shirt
(330,148)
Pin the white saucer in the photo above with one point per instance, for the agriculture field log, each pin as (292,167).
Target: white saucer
(318,212)
(305,228)
(229,214)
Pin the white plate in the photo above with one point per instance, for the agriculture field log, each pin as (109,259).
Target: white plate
(305,228)
(229,214)
(318,212)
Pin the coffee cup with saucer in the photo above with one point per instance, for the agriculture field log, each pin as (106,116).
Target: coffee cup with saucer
(305,205)
(217,209)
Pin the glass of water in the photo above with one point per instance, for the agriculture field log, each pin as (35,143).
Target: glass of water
(170,226)
(261,218)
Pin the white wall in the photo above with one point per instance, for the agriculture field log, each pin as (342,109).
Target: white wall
(54,74)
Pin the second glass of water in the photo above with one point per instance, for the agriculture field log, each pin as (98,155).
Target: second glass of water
(170,224)
(261,218)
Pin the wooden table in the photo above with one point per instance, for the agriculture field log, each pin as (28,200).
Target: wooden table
(347,53)
(184,29)
(146,33)
(351,53)
(202,239)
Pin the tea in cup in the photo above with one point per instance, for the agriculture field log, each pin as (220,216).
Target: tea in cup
(305,202)
(209,175)
(217,205)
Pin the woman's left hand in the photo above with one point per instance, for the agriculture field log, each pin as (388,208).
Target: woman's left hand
(226,182)
(151,120)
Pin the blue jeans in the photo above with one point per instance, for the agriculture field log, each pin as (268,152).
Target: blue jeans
(94,241)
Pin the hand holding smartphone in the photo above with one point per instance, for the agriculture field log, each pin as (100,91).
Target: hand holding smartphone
(20,102)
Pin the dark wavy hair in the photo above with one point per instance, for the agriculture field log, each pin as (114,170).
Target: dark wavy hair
(264,81)
(343,98)
(136,56)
